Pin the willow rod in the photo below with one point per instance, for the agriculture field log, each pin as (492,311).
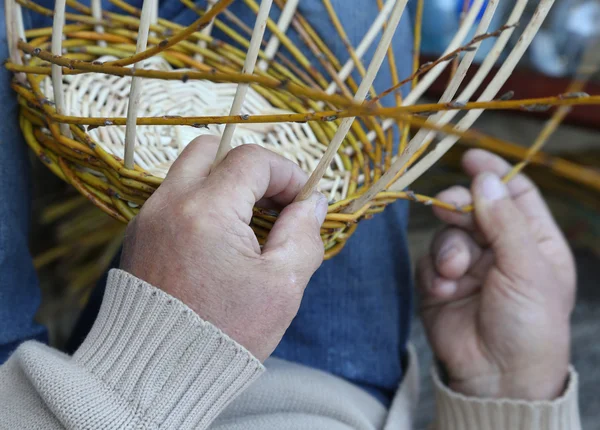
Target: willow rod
(136,84)
(57,76)
(389,181)
(366,83)
(505,71)
(242,89)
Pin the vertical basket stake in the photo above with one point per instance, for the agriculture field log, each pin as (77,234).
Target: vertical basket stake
(15,30)
(153,17)
(340,135)
(206,31)
(57,75)
(485,67)
(148,9)
(424,136)
(284,22)
(433,74)
(97,14)
(242,89)
(364,44)
(490,91)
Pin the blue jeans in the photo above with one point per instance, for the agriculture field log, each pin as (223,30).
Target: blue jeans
(355,315)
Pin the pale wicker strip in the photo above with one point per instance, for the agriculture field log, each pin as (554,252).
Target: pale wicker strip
(157,147)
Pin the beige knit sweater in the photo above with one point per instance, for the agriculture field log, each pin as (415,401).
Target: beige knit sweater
(150,363)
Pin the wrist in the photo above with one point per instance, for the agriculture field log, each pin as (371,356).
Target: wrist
(517,386)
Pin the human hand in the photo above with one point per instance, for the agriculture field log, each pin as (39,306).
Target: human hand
(498,288)
(192,239)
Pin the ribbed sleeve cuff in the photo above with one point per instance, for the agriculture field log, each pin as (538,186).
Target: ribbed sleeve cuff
(155,352)
(458,412)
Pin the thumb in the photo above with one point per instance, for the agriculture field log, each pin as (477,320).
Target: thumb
(295,240)
(503,226)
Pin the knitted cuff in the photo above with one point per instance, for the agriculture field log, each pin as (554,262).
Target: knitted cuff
(458,412)
(170,365)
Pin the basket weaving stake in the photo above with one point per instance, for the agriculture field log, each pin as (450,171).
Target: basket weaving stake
(14,31)
(206,31)
(488,63)
(57,74)
(284,22)
(364,44)
(96,6)
(489,93)
(135,92)
(424,136)
(427,80)
(385,181)
(242,89)
(344,127)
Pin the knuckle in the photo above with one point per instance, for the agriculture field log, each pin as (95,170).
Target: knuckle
(245,151)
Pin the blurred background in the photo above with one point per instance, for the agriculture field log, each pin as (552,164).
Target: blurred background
(74,243)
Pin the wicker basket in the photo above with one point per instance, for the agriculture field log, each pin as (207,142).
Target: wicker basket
(109,115)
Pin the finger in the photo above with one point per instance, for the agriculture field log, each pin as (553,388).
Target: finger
(295,239)
(436,290)
(195,161)
(522,190)
(503,225)
(457,196)
(454,252)
(250,173)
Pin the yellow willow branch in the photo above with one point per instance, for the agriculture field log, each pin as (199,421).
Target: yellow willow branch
(76,67)
(424,68)
(197,25)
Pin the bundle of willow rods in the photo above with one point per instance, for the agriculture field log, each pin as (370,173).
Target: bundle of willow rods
(272,94)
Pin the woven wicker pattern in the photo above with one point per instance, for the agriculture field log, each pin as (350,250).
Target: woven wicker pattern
(111,106)
(157,147)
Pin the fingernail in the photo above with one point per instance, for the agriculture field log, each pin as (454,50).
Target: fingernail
(321,206)
(445,288)
(491,188)
(445,253)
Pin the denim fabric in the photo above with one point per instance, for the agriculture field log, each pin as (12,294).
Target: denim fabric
(19,292)
(354,319)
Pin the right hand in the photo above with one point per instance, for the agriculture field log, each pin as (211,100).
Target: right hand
(192,239)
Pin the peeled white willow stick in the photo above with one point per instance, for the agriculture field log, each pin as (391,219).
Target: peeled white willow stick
(494,54)
(340,135)
(484,68)
(57,75)
(482,71)
(19,21)
(364,44)
(490,92)
(283,24)
(14,31)
(242,89)
(487,64)
(467,60)
(148,9)
(455,43)
(439,118)
(97,14)
(153,17)
(427,80)
(206,31)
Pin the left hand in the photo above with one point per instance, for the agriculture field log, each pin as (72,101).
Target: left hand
(498,288)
